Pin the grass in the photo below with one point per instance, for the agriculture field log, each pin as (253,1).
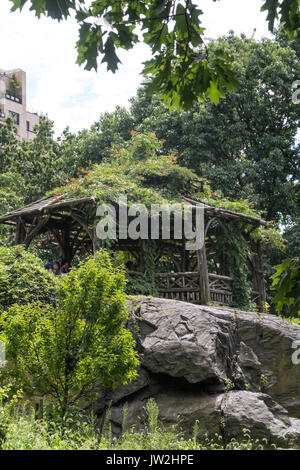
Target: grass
(25,432)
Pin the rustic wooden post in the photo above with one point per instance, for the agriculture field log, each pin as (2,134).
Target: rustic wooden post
(96,242)
(203,276)
(66,247)
(183,256)
(258,274)
(20,232)
(257,267)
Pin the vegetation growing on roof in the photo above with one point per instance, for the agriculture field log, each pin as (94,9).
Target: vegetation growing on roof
(138,169)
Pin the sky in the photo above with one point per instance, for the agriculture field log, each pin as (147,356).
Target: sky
(74,97)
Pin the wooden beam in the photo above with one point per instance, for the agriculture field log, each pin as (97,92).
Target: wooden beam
(20,232)
(83,224)
(40,222)
(227,213)
(203,276)
(259,281)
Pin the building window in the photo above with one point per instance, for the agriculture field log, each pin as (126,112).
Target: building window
(16,117)
(28,126)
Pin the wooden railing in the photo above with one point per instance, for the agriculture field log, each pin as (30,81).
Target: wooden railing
(220,288)
(185,286)
(179,286)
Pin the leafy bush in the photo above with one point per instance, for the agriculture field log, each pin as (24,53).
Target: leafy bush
(140,284)
(295,320)
(23,279)
(286,281)
(64,352)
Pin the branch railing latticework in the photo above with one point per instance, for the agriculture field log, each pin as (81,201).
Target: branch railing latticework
(185,286)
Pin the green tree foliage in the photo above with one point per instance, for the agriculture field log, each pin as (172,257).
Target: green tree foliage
(23,279)
(40,162)
(11,189)
(292,236)
(11,197)
(10,145)
(181,69)
(65,352)
(287,11)
(246,144)
(36,165)
(93,146)
(286,283)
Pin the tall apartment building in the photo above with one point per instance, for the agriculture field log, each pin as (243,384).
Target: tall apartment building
(13,102)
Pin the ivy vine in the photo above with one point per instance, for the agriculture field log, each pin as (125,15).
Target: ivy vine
(143,281)
(236,251)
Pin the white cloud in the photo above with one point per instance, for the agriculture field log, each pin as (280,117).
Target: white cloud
(240,16)
(75,97)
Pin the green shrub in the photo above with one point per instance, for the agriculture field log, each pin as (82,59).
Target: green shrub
(23,279)
(286,283)
(65,352)
(295,320)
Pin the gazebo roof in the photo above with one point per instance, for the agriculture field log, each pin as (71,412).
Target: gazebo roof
(46,205)
(53,204)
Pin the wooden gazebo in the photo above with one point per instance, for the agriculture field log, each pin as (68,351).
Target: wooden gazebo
(198,277)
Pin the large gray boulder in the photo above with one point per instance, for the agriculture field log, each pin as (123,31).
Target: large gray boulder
(207,363)
(182,343)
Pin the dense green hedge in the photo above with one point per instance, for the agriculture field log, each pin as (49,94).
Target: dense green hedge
(23,279)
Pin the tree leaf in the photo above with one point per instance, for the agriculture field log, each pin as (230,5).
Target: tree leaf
(110,56)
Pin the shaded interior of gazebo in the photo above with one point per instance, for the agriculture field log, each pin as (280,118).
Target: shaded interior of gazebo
(200,276)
